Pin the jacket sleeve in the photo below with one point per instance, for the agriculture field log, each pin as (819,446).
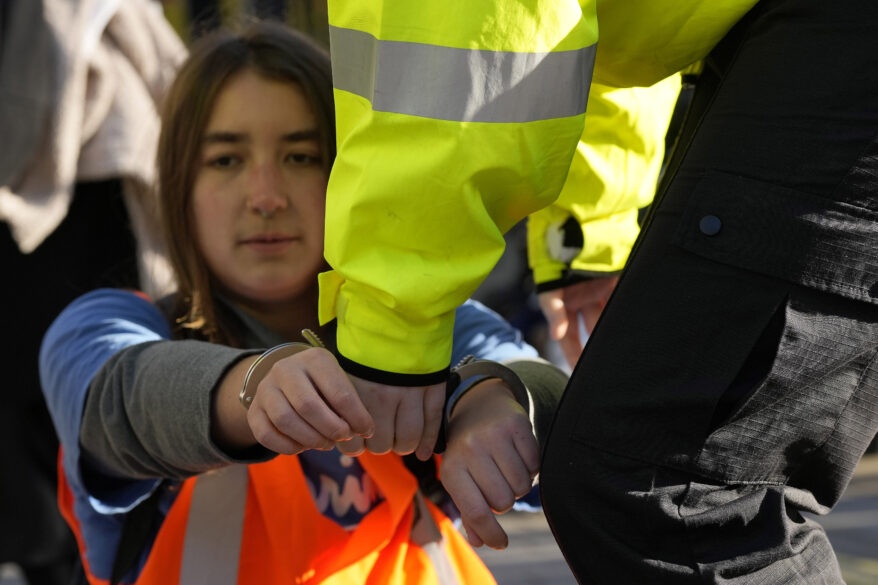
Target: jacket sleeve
(126,402)
(447,138)
(590,229)
(148,411)
(643,41)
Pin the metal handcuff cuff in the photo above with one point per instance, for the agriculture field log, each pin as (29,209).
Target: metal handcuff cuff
(469,370)
(264,362)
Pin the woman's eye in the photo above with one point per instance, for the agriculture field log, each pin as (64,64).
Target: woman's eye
(225,161)
(300,158)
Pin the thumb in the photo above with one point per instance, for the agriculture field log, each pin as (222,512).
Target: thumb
(552,306)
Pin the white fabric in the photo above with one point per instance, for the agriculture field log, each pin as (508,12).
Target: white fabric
(95,117)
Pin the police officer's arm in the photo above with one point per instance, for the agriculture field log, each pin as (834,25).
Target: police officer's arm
(578,246)
(447,138)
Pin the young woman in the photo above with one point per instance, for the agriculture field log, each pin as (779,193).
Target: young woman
(171,415)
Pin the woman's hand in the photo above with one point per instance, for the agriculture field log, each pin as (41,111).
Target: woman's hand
(305,401)
(491,459)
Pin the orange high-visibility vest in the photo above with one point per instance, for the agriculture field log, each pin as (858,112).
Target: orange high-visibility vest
(257,524)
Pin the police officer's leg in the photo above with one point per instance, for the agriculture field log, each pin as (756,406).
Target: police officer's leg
(729,384)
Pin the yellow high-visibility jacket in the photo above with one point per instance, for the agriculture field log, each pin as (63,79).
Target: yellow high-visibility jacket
(612,177)
(453,125)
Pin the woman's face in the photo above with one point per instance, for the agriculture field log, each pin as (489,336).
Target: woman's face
(260,190)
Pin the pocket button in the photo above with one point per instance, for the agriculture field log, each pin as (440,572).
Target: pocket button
(710,225)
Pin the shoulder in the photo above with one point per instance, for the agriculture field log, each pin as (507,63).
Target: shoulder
(116,308)
(102,301)
(98,324)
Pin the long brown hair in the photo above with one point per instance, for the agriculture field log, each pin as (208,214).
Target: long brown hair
(272,50)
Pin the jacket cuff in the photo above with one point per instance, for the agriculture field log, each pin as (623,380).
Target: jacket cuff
(605,246)
(391,378)
(382,343)
(570,277)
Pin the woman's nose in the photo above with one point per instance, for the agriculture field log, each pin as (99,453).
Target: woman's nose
(266,193)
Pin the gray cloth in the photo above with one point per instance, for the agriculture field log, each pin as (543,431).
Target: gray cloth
(545,384)
(26,49)
(159,426)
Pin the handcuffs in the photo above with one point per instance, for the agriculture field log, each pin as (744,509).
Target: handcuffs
(465,375)
(462,377)
(264,362)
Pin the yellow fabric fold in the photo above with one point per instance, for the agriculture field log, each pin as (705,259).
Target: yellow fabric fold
(613,175)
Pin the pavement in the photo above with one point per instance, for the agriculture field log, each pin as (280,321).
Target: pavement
(852,525)
(533,557)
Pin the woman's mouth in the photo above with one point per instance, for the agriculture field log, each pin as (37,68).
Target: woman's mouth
(269,243)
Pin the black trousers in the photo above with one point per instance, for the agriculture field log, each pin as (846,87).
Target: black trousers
(94,246)
(732,381)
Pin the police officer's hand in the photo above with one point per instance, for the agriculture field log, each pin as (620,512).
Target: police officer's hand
(491,459)
(564,307)
(407,419)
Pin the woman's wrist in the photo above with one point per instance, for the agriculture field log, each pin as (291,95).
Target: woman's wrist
(475,392)
(229,429)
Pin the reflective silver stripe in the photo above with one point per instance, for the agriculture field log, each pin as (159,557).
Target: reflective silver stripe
(461,84)
(426,534)
(441,564)
(215,527)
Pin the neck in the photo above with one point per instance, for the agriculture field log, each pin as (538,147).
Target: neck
(286,318)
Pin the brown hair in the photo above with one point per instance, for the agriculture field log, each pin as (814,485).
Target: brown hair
(272,50)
